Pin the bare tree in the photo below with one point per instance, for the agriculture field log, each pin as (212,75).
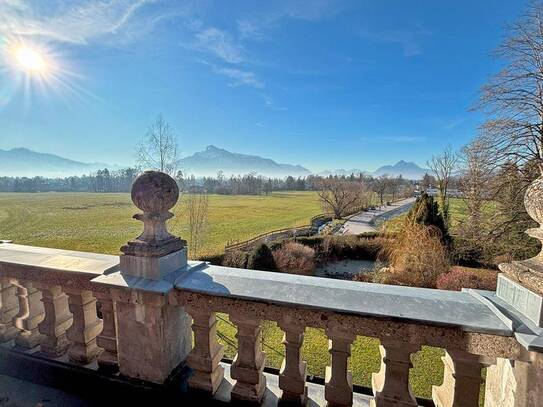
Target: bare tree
(394,186)
(381,185)
(513,98)
(158,148)
(339,195)
(444,166)
(197,212)
(476,176)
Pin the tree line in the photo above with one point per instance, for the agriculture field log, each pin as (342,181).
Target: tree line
(249,184)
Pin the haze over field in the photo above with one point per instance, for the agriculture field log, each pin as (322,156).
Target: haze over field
(22,162)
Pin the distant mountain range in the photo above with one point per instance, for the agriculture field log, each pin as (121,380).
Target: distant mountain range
(406,169)
(25,162)
(213,159)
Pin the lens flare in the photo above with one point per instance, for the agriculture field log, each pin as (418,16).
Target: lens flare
(34,69)
(30,60)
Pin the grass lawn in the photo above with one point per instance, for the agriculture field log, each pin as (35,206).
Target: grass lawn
(365,358)
(102,223)
(458,211)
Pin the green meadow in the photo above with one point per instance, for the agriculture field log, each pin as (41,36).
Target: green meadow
(103,222)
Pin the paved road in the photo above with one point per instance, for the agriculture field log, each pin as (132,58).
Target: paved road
(367,221)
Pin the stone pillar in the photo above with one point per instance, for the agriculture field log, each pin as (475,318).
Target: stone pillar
(391,384)
(9,307)
(248,365)
(205,357)
(107,339)
(518,383)
(153,334)
(85,327)
(338,390)
(515,383)
(293,370)
(30,315)
(461,380)
(153,337)
(57,320)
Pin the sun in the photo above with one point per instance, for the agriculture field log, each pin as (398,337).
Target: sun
(30,60)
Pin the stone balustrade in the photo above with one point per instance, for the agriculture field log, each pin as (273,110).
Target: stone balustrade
(41,310)
(151,300)
(55,300)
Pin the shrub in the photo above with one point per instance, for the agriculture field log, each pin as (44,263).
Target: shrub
(235,258)
(355,248)
(261,258)
(417,257)
(216,260)
(311,241)
(295,258)
(464,277)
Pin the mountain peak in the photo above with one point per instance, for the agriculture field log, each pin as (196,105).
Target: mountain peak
(213,159)
(407,169)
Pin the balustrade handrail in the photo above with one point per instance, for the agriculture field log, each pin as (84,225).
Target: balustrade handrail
(467,312)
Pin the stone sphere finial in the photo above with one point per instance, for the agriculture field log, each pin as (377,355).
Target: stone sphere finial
(155,193)
(533,200)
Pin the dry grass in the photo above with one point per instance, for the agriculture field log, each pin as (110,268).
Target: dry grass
(467,277)
(416,257)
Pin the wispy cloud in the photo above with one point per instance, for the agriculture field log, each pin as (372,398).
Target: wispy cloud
(67,21)
(453,124)
(270,103)
(258,25)
(393,139)
(240,77)
(410,39)
(219,43)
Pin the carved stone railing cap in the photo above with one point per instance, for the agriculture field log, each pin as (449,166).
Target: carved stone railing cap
(426,306)
(57,260)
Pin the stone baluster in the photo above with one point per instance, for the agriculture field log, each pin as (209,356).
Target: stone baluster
(30,314)
(391,384)
(9,307)
(461,380)
(338,390)
(514,383)
(85,328)
(293,370)
(248,365)
(107,339)
(57,320)
(204,359)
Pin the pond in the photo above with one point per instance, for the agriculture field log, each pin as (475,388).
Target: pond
(344,269)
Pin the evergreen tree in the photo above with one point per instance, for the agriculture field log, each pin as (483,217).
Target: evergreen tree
(426,212)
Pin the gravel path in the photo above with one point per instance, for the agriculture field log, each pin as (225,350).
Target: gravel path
(366,221)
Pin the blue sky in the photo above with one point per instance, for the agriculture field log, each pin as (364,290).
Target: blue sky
(326,84)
